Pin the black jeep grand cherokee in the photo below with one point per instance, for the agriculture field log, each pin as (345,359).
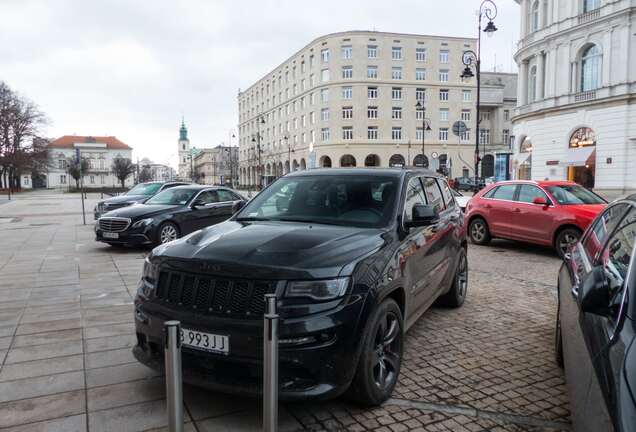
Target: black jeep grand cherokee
(354,256)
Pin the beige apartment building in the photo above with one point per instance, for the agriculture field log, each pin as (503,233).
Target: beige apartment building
(349,99)
(216,166)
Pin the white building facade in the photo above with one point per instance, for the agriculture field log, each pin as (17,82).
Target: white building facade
(216,166)
(577,70)
(98,151)
(349,99)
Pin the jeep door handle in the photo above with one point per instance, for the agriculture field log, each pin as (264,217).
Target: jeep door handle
(516,210)
(488,206)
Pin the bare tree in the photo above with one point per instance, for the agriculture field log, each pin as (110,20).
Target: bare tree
(145,174)
(20,122)
(75,169)
(123,168)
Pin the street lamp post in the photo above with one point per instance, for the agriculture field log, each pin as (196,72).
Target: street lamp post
(259,121)
(289,151)
(426,126)
(470,58)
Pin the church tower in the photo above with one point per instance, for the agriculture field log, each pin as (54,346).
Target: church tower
(184,152)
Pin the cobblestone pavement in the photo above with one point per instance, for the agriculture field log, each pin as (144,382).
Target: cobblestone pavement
(66,331)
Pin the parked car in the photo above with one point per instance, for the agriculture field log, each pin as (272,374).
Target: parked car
(138,194)
(551,213)
(460,199)
(168,215)
(468,184)
(354,256)
(595,325)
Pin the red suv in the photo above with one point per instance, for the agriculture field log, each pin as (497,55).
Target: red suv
(551,213)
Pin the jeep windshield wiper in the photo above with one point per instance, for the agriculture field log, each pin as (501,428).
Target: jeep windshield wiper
(251,219)
(311,221)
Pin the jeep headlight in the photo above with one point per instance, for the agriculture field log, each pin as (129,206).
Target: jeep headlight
(151,271)
(143,223)
(320,290)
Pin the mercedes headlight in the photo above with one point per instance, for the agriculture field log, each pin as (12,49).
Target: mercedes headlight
(143,223)
(319,290)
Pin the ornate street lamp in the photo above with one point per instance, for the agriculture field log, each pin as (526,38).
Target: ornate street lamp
(259,121)
(426,126)
(472,59)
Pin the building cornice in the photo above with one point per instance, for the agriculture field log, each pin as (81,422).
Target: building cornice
(562,109)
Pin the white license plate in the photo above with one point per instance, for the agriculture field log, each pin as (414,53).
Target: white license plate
(110,235)
(205,341)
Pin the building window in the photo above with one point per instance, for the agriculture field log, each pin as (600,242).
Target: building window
(484,115)
(347,133)
(313,136)
(61,164)
(346,51)
(465,116)
(324,134)
(506,115)
(396,73)
(505,136)
(420,114)
(92,179)
(347,72)
(304,138)
(324,55)
(372,133)
(443,56)
(420,54)
(396,113)
(347,93)
(312,80)
(312,118)
(312,99)
(467,95)
(396,53)
(372,51)
(396,93)
(532,84)
(347,112)
(311,61)
(303,120)
(324,75)
(372,112)
(443,114)
(302,85)
(324,114)
(443,95)
(464,136)
(420,94)
(372,72)
(420,74)
(443,134)
(396,133)
(324,95)
(534,16)
(590,5)
(484,136)
(372,92)
(63,179)
(102,179)
(419,134)
(302,70)
(591,68)
(302,102)
(443,75)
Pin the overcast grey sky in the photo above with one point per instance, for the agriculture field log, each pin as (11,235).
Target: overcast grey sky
(130,68)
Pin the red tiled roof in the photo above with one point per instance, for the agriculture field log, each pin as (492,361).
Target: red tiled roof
(67,141)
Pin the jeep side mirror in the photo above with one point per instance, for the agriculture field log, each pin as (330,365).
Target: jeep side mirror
(594,293)
(539,201)
(423,215)
(197,203)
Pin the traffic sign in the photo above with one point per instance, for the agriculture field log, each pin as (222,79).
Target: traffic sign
(434,155)
(459,127)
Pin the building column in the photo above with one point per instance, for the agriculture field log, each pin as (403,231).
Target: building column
(522,93)
(540,75)
(524,18)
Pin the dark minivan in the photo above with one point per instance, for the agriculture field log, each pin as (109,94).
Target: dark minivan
(354,257)
(596,325)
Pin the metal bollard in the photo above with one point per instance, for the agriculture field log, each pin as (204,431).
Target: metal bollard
(270,365)
(174,384)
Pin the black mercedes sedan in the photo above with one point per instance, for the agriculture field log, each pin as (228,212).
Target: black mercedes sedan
(596,325)
(354,256)
(138,194)
(168,215)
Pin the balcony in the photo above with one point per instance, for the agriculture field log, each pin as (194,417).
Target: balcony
(585,96)
(587,17)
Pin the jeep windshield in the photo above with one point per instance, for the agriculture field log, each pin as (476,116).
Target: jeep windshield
(349,200)
(147,189)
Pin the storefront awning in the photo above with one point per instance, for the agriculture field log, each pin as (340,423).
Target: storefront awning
(579,157)
(522,158)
